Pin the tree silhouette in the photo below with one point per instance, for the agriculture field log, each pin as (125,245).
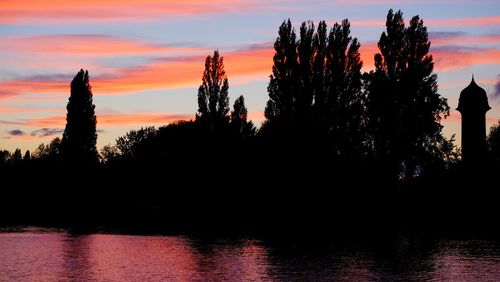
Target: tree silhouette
(4,157)
(239,123)
(79,137)
(404,106)
(109,153)
(317,83)
(136,144)
(17,157)
(320,76)
(305,53)
(27,156)
(213,100)
(494,142)
(344,98)
(49,152)
(284,80)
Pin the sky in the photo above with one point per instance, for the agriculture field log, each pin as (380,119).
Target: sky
(146,57)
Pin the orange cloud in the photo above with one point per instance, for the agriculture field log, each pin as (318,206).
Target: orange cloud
(7,110)
(160,74)
(110,120)
(455,117)
(12,88)
(85,45)
(477,21)
(256,117)
(446,59)
(186,71)
(368,52)
(111,10)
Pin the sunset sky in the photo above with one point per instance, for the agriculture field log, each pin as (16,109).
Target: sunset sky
(146,57)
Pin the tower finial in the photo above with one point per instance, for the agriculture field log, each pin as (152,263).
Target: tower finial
(473,77)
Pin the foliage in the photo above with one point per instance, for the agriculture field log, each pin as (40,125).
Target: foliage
(404,107)
(49,152)
(213,100)
(494,142)
(109,153)
(284,82)
(239,123)
(79,137)
(316,85)
(136,143)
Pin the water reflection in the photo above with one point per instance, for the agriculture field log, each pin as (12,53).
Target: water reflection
(51,255)
(77,260)
(234,260)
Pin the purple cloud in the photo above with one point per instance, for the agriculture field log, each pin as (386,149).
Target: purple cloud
(46,132)
(16,132)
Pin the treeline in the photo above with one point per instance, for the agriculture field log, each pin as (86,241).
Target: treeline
(333,137)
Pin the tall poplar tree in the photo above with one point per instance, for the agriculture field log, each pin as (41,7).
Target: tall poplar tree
(80,137)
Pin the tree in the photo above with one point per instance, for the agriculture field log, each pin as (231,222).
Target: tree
(239,123)
(17,157)
(213,100)
(79,137)
(4,157)
(137,144)
(319,76)
(27,156)
(284,80)
(305,54)
(404,106)
(317,84)
(494,142)
(344,111)
(109,153)
(50,152)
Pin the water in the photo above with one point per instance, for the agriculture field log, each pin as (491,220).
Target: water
(35,254)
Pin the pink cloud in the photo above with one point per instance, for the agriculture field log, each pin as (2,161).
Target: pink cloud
(463,39)
(105,120)
(117,119)
(160,74)
(86,45)
(434,22)
(447,54)
(447,59)
(455,118)
(111,10)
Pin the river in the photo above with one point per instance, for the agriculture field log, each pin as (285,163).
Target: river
(41,254)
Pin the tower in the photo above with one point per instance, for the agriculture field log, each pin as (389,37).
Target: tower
(473,105)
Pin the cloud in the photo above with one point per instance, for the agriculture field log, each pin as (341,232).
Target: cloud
(51,124)
(157,74)
(44,132)
(434,22)
(448,58)
(51,11)
(463,39)
(87,45)
(445,34)
(496,88)
(7,110)
(456,118)
(16,132)
(450,50)
(468,22)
